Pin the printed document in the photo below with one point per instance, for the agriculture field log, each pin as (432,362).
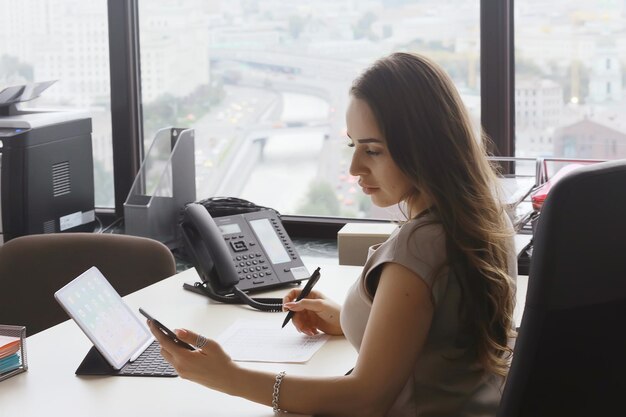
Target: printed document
(263,341)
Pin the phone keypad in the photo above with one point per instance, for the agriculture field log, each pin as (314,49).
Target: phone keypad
(252,266)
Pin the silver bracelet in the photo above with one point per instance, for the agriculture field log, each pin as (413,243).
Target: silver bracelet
(276,393)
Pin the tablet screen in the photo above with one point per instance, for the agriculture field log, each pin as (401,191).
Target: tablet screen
(104,317)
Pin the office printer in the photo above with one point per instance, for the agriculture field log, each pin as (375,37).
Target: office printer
(46,167)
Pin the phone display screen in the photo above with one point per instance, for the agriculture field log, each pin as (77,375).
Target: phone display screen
(270,241)
(228,229)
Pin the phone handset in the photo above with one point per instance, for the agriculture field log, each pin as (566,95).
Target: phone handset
(213,261)
(208,250)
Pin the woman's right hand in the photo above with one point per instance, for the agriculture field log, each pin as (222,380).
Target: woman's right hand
(314,313)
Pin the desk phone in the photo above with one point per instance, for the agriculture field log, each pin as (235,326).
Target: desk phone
(251,251)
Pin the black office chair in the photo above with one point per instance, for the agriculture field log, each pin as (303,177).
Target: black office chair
(34,267)
(570,355)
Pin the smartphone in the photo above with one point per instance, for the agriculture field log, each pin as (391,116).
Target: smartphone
(167,332)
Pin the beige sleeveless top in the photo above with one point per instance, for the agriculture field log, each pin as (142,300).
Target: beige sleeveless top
(439,385)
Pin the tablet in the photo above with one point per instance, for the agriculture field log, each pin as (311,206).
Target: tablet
(103,316)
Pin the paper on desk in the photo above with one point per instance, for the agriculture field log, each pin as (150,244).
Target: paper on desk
(262,341)
(8,345)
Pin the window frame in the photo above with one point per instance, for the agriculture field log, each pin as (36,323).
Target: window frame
(126,108)
(497,102)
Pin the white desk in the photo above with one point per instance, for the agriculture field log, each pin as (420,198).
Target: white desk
(50,388)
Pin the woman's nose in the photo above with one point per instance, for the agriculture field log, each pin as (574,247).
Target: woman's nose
(356,168)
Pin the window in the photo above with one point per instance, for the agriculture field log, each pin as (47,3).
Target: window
(42,40)
(572,49)
(264,84)
(194,76)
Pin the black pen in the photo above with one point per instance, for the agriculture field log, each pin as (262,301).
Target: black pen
(305,291)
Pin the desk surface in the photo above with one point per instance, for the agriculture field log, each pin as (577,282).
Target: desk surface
(49,387)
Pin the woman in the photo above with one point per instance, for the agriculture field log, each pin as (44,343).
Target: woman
(431,314)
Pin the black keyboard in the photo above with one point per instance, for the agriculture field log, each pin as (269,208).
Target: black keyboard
(149,363)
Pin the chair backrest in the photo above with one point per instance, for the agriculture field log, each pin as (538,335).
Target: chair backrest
(34,267)
(570,354)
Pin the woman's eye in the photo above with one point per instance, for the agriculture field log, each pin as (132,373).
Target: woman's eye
(373,153)
(350,144)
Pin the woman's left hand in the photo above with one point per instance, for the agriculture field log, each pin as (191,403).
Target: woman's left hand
(208,365)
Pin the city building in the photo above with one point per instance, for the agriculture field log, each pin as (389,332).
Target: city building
(591,139)
(538,110)
(605,78)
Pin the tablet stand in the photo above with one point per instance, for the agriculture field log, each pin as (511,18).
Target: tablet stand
(95,364)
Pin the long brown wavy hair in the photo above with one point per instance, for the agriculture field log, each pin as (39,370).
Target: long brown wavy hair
(430,138)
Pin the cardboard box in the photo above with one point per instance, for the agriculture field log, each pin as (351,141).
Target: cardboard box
(354,240)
